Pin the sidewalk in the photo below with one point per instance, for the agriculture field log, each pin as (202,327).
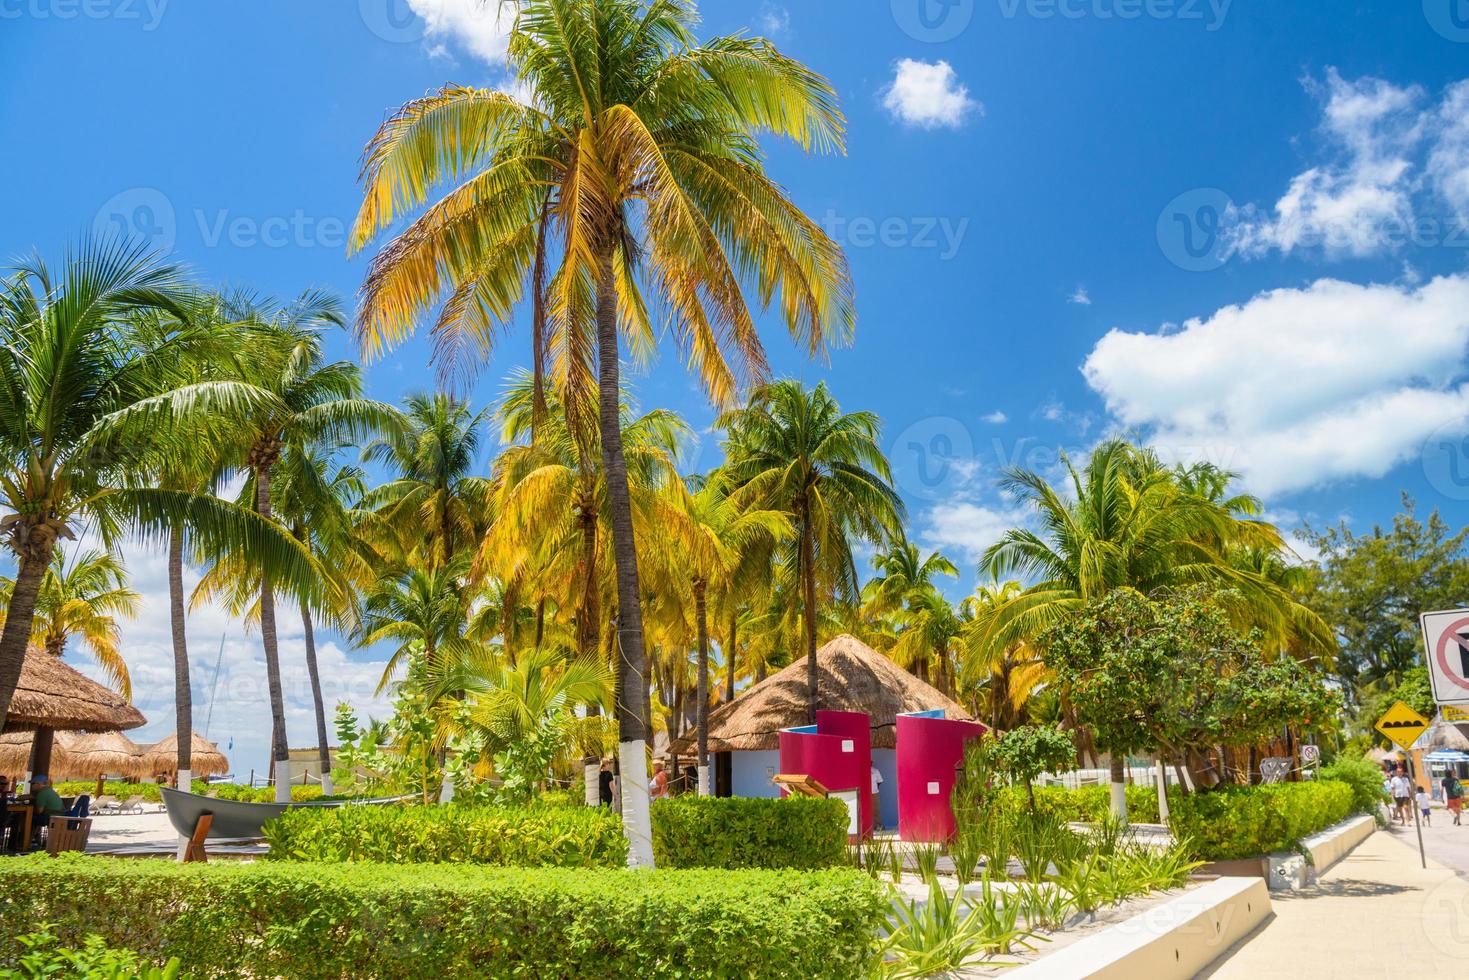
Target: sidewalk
(1377,913)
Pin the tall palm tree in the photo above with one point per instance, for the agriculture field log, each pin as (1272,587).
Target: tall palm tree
(422,610)
(723,535)
(83,597)
(433,494)
(905,584)
(1005,677)
(308,400)
(1130,523)
(792,449)
(88,403)
(636,154)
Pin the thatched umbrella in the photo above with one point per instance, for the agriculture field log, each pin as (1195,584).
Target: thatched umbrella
(853,677)
(163,758)
(52,697)
(98,754)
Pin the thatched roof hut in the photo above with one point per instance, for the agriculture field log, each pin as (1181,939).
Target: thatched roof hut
(76,756)
(53,695)
(205,759)
(853,677)
(1443,735)
(15,753)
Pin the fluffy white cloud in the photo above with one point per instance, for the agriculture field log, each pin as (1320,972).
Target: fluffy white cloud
(1081,297)
(1391,161)
(241,700)
(928,95)
(479,26)
(996,417)
(1298,387)
(965,529)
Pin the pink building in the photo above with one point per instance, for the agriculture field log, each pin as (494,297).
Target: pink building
(930,755)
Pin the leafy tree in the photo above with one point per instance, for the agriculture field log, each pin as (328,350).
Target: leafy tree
(1024,753)
(1372,587)
(635,157)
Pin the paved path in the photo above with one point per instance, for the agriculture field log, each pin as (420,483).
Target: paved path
(1375,914)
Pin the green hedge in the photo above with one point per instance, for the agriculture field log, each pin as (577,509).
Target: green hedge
(1087,804)
(736,832)
(332,921)
(560,836)
(1365,778)
(1246,821)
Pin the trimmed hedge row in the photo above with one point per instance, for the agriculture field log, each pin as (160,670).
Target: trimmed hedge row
(736,832)
(558,836)
(332,921)
(1086,804)
(1246,821)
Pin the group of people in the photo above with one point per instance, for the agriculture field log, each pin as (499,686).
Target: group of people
(42,801)
(1405,795)
(660,786)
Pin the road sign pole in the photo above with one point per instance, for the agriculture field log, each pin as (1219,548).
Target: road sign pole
(1417,822)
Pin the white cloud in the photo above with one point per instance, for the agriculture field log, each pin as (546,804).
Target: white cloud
(1298,387)
(928,95)
(1081,297)
(241,699)
(997,417)
(965,528)
(479,26)
(1448,163)
(774,20)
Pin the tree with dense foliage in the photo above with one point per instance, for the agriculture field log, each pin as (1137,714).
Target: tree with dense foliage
(635,155)
(1024,753)
(793,450)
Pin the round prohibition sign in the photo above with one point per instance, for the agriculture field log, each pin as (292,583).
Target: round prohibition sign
(1441,653)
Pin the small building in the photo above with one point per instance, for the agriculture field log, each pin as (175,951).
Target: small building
(744,735)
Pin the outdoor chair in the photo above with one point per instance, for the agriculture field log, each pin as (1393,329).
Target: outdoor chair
(67,834)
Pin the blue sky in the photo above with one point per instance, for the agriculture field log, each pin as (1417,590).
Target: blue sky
(1239,230)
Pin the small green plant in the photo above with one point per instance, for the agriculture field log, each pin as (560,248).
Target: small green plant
(947,933)
(998,917)
(965,852)
(926,860)
(1081,883)
(41,955)
(1043,905)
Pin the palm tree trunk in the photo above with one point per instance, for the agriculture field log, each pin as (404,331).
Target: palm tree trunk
(183,691)
(589,618)
(808,608)
(701,703)
(632,718)
(729,658)
(538,324)
(324,750)
(281,753)
(35,551)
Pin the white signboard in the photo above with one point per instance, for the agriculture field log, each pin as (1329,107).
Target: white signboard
(1446,645)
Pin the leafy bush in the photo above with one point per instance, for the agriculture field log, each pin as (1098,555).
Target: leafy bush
(119,790)
(38,955)
(736,832)
(570,837)
(1245,821)
(1363,776)
(264,794)
(332,921)
(1086,804)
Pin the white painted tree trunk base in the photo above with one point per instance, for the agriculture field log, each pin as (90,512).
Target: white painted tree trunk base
(328,788)
(282,790)
(591,783)
(1162,792)
(704,780)
(185,783)
(1119,801)
(637,823)
(446,788)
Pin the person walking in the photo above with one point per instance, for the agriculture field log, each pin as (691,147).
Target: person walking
(1401,788)
(876,799)
(604,784)
(658,785)
(1425,807)
(1453,794)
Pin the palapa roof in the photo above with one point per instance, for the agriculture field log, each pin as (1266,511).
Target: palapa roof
(853,677)
(1443,735)
(76,756)
(53,695)
(205,759)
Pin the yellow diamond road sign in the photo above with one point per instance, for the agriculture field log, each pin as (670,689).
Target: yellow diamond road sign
(1402,725)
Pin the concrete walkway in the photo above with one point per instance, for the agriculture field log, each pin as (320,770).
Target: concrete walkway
(1377,913)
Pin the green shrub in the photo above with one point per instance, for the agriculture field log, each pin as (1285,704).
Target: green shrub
(332,921)
(119,790)
(1086,804)
(737,832)
(1246,821)
(570,837)
(38,955)
(1365,779)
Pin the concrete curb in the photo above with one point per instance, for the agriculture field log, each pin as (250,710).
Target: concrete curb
(1289,870)
(1175,939)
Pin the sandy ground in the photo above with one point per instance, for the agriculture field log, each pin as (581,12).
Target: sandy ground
(111,831)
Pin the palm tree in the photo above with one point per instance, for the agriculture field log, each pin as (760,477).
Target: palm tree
(423,610)
(636,155)
(434,496)
(723,536)
(88,403)
(905,586)
(793,450)
(84,598)
(1131,523)
(1006,676)
(306,401)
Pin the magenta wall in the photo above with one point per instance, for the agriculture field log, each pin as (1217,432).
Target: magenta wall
(838,755)
(929,749)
